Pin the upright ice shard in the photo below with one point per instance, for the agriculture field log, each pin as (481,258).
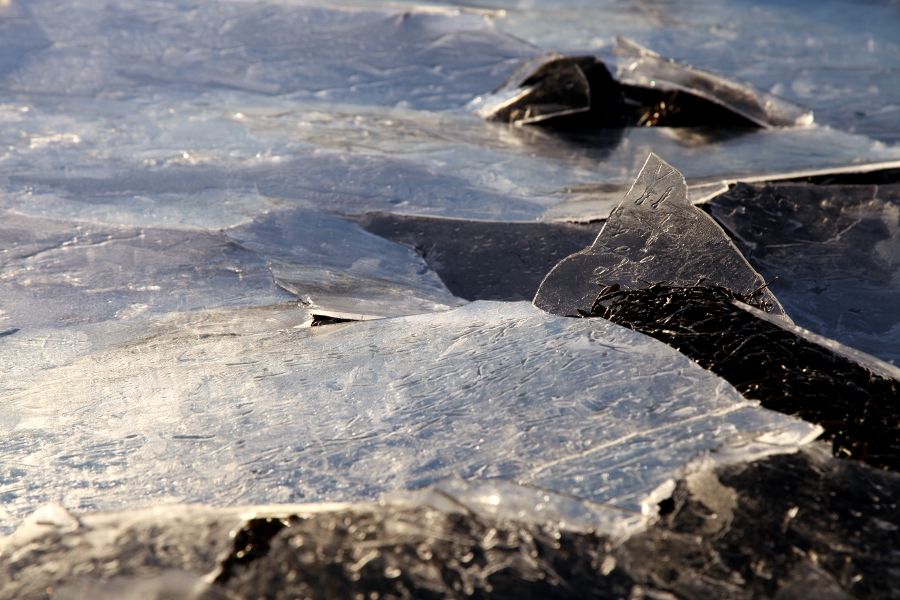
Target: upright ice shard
(654,235)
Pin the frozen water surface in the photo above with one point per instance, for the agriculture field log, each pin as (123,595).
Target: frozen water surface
(165,167)
(264,411)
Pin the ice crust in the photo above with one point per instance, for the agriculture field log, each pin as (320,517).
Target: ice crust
(264,412)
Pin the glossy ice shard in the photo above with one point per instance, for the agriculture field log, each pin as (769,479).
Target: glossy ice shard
(484,260)
(268,410)
(339,270)
(55,273)
(839,272)
(655,235)
(547,89)
(648,69)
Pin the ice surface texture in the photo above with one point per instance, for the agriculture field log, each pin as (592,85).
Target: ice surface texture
(654,235)
(263,412)
(839,272)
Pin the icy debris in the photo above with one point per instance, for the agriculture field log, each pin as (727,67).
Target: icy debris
(643,67)
(774,527)
(654,235)
(338,270)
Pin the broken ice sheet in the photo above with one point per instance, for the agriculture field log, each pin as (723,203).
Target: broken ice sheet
(340,270)
(579,92)
(654,235)
(227,407)
(839,275)
(55,273)
(643,67)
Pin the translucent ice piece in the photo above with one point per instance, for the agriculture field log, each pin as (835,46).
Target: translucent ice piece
(648,69)
(340,270)
(238,407)
(655,235)
(839,273)
(542,88)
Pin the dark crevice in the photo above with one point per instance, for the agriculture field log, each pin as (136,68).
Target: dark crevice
(859,410)
(790,526)
(422,553)
(879,177)
(320,320)
(484,260)
(250,543)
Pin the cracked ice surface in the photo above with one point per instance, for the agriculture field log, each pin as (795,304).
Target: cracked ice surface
(265,411)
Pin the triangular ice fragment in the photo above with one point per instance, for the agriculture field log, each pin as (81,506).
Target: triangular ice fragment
(654,235)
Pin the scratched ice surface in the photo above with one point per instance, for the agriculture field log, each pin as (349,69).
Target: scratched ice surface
(265,410)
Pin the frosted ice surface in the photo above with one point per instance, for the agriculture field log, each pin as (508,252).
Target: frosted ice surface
(239,406)
(340,270)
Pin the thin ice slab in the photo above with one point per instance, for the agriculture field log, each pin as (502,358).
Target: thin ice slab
(654,235)
(230,409)
(339,270)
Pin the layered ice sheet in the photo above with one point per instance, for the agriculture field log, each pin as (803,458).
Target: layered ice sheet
(265,411)
(55,273)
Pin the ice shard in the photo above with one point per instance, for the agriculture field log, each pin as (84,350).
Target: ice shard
(338,270)
(579,92)
(648,69)
(654,235)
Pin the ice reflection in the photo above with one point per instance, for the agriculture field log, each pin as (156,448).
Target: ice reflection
(265,412)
